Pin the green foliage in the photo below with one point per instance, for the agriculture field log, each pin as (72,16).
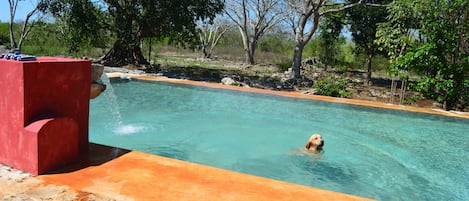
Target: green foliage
(331,27)
(44,41)
(4,37)
(134,20)
(332,86)
(231,39)
(364,21)
(438,51)
(394,35)
(312,49)
(276,44)
(79,23)
(284,65)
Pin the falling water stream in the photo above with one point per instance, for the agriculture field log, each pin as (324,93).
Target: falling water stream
(116,122)
(112,100)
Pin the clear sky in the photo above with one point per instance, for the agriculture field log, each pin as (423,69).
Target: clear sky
(24,7)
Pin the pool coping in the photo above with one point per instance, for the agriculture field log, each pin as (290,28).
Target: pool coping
(294,94)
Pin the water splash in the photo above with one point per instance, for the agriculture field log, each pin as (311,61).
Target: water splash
(128,129)
(117,123)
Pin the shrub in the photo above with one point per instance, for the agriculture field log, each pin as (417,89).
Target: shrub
(332,86)
(4,39)
(4,34)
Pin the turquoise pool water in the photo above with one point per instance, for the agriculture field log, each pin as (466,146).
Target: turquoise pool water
(376,153)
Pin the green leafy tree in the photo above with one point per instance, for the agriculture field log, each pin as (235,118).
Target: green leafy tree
(364,22)
(134,20)
(331,28)
(437,49)
(78,23)
(131,21)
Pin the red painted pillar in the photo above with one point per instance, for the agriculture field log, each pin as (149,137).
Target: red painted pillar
(44,108)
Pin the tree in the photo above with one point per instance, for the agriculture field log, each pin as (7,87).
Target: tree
(331,28)
(302,12)
(364,22)
(72,18)
(254,18)
(210,34)
(134,20)
(28,23)
(437,50)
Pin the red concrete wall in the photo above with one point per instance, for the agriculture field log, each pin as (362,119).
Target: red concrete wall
(44,108)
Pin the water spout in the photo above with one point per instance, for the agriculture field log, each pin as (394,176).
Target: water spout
(97,87)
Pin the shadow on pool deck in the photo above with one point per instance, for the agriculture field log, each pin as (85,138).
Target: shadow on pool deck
(120,174)
(98,154)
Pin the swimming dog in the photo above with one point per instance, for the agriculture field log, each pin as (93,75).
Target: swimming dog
(315,143)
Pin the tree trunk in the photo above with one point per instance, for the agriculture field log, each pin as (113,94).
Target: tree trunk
(12,36)
(126,49)
(10,25)
(248,46)
(205,51)
(252,50)
(297,54)
(249,49)
(368,74)
(123,54)
(246,56)
(301,39)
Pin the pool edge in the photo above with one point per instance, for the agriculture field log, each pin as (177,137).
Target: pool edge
(298,95)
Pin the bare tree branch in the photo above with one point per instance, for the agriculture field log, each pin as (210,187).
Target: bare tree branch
(376,5)
(334,10)
(13,5)
(210,34)
(28,23)
(254,18)
(306,23)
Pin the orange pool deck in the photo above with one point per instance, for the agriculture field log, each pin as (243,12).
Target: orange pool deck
(131,175)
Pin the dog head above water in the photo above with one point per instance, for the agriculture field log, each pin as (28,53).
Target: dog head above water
(315,143)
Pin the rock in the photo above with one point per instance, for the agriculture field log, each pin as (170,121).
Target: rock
(316,75)
(3,49)
(228,81)
(310,92)
(376,93)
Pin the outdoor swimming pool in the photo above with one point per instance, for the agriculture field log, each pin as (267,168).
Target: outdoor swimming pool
(375,153)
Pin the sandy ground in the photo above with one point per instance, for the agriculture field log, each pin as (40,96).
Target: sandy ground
(19,186)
